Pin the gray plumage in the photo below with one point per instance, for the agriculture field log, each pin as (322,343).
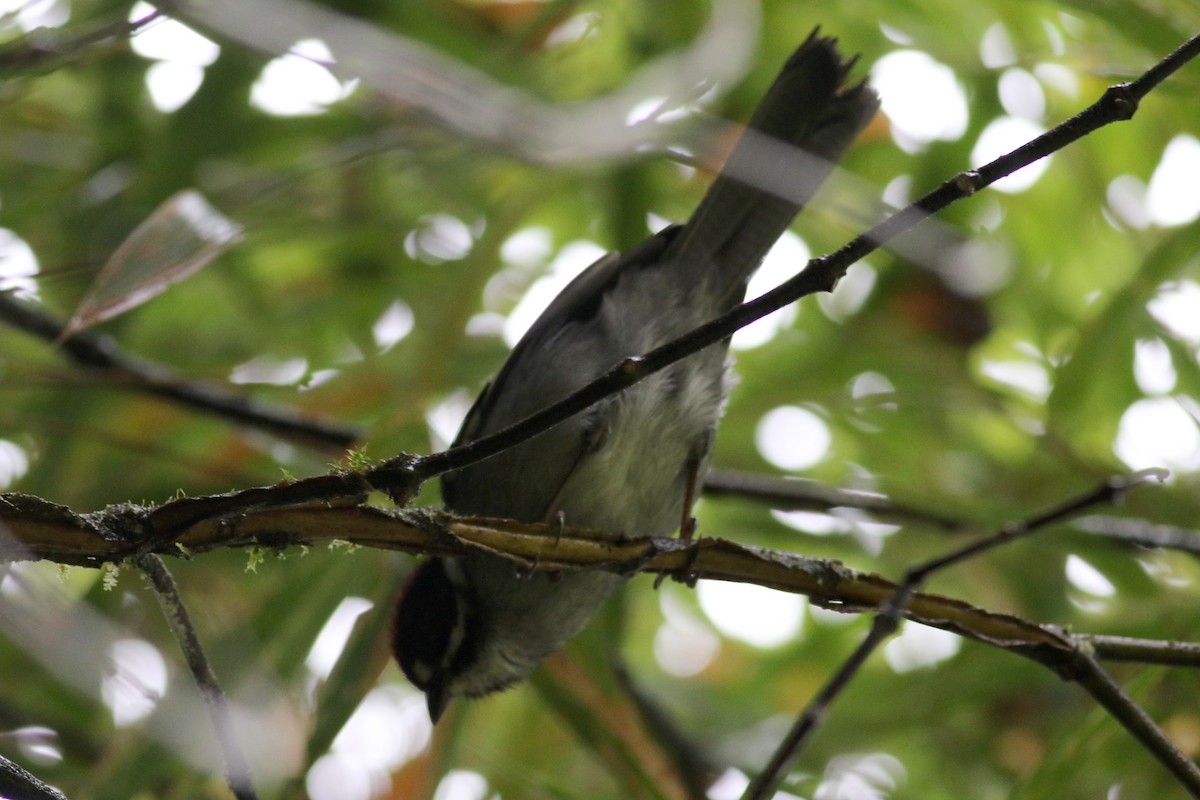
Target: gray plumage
(626,463)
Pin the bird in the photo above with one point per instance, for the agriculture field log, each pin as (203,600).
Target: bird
(631,463)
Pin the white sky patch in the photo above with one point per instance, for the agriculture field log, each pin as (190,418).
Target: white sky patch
(1025,376)
(841,522)
(393,325)
(1158,432)
(334,634)
(1175,307)
(1062,79)
(645,110)
(528,248)
(830,617)
(137,682)
(331,777)
(295,84)
(445,418)
(1021,94)
(850,294)
(571,260)
(461,784)
(439,238)
(171,40)
(683,645)
(1002,136)
(270,370)
(1058,45)
(792,438)
(485,323)
(920,646)
(996,48)
(181,55)
(37,743)
(860,776)
(573,29)
(812,522)
(388,728)
(1126,197)
(318,377)
(755,615)
(33,14)
(785,259)
(1086,578)
(14,463)
(921,97)
(871,385)
(898,192)
(1152,366)
(172,84)
(18,264)
(731,785)
(1173,197)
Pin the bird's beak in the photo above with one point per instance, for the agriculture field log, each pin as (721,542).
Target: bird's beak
(436,700)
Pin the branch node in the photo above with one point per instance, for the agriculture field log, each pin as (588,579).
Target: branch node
(968,182)
(825,272)
(1121,98)
(400,478)
(633,366)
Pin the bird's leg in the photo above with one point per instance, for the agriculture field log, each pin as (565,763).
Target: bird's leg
(691,486)
(687,522)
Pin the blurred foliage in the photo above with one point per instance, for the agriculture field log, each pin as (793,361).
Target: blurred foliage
(345,215)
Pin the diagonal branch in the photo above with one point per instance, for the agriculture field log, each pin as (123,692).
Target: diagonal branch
(1075,662)
(102,355)
(36,528)
(820,275)
(50,50)
(792,494)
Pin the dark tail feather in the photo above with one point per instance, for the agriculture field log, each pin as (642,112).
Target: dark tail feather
(766,181)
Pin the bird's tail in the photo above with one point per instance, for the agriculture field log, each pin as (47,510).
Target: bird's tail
(767,179)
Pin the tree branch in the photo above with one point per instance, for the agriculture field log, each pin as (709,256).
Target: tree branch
(103,357)
(1118,103)
(49,50)
(38,529)
(20,784)
(1072,662)
(794,494)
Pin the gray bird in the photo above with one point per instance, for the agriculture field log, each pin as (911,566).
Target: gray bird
(632,462)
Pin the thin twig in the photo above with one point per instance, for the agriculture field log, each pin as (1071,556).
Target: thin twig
(48,51)
(1107,492)
(101,354)
(237,773)
(38,529)
(1143,651)
(789,494)
(1141,533)
(1117,103)
(1099,684)
(764,783)
(402,475)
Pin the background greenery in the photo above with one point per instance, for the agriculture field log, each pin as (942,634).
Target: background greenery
(329,202)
